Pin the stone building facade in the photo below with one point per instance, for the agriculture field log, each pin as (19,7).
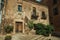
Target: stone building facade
(54,13)
(18,12)
(54,10)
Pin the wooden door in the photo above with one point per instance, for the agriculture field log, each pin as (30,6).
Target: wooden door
(19,26)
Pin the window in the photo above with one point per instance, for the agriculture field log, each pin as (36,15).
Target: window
(43,15)
(38,0)
(1,4)
(54,1)
(2,0)
(55,11)
(34,16)
(34,10)
(51,23)
(19,8)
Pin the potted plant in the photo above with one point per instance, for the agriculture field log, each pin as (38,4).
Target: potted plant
(8,38)
(8,29)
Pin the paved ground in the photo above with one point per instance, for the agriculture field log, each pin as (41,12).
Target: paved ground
(20,36)
(55,38)
(1,37)
(32,37)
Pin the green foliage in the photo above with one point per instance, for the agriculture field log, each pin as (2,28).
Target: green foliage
(45,30)
(8,38)
(50,29)
(8,29)
(30,24)
(40,26)
(40,29)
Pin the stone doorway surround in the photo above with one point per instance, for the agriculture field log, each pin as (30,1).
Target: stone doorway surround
(18,20)
(18,27)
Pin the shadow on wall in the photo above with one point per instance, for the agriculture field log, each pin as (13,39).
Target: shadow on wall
(56,34)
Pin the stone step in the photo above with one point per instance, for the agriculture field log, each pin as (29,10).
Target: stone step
(1,38)
(38,37)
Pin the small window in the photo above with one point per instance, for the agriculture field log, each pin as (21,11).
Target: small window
(34,10)
(1,4)
(51,23)
(19,8)
(34,16)
(55,11)
(38,0)
(54,1)
(43,15)
(2,0)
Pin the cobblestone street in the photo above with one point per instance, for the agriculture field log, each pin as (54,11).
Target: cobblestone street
(20,36)
(32,37)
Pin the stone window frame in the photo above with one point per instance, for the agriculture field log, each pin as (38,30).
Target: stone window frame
(43,15)
(34,15)
(19,8)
